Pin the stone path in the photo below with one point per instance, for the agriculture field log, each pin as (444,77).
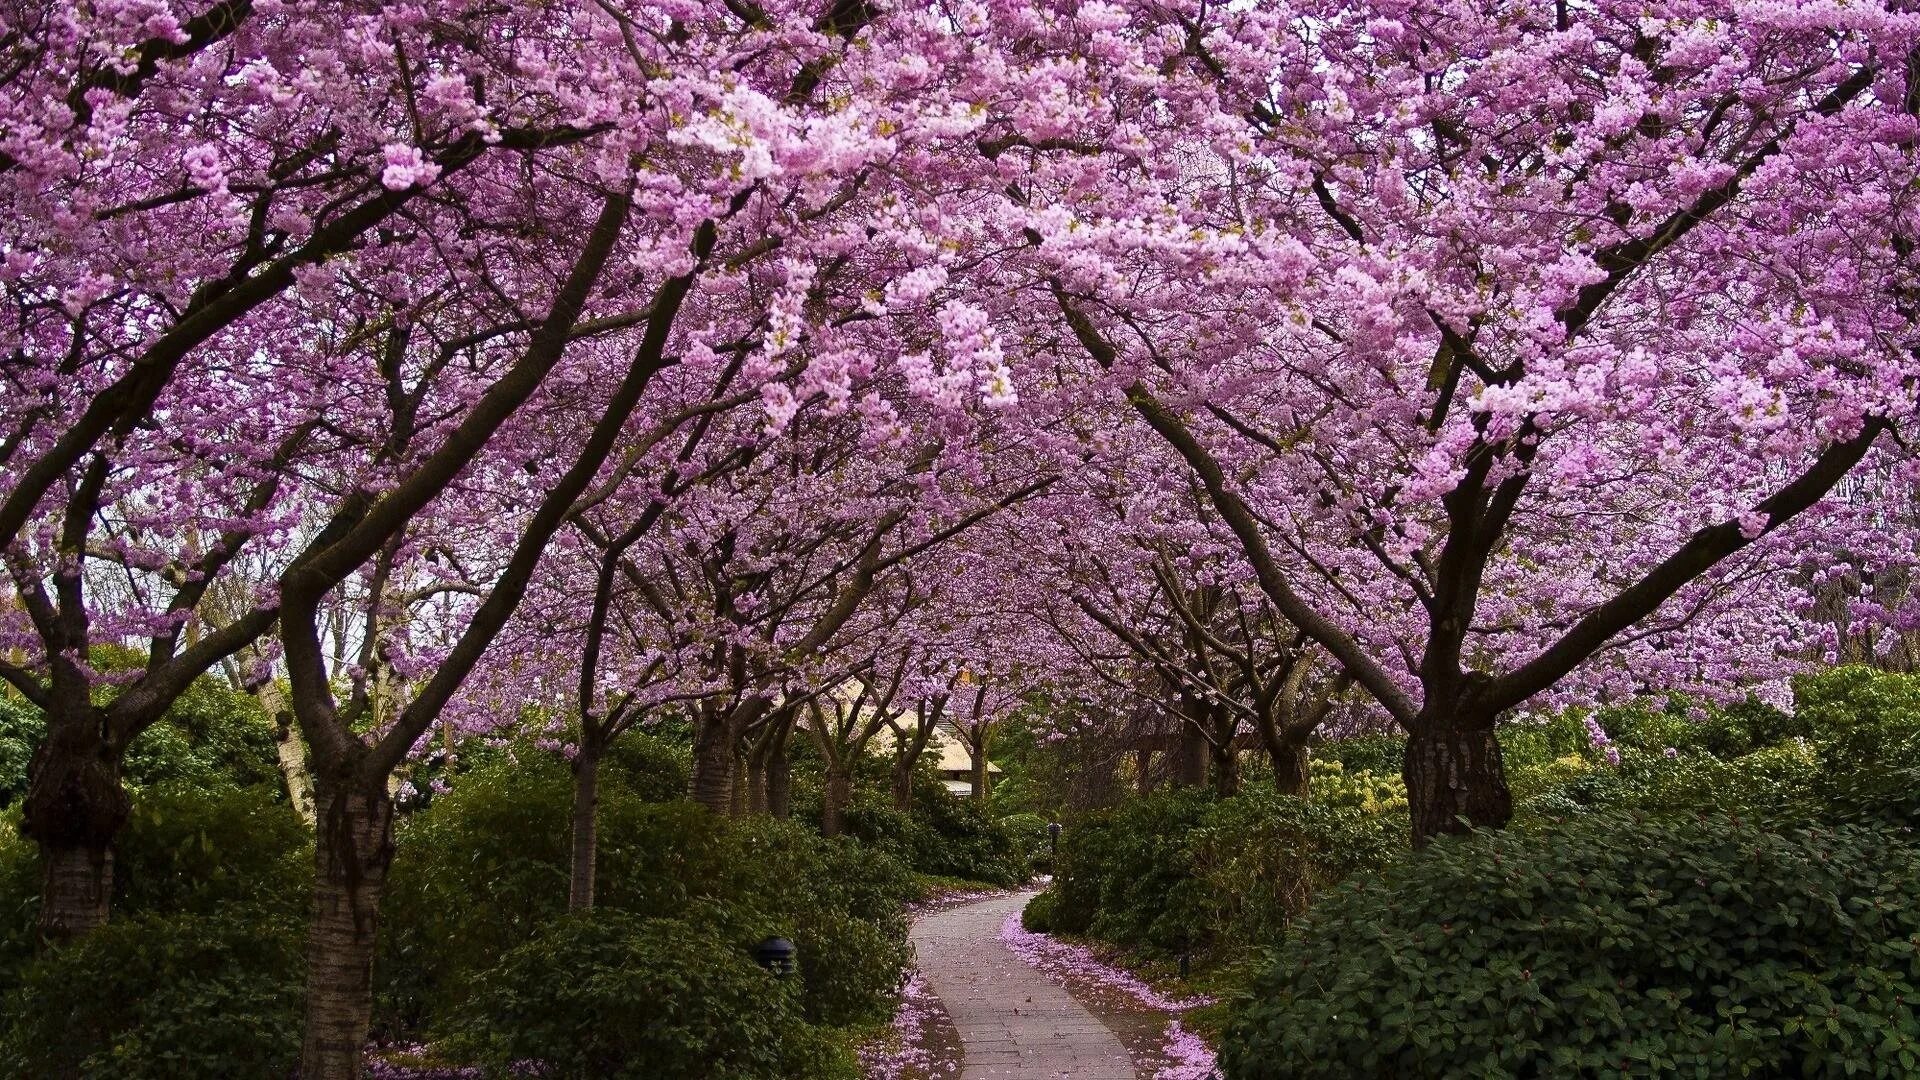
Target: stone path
(1012,1021)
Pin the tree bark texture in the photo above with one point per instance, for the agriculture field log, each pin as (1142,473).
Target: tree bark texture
(351,859)
(586,830)
(1455,779)
(74,809)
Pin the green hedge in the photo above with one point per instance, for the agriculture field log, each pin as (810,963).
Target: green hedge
(1609,946)
(482,873)
(1184,870)
(613,996)
(153,996)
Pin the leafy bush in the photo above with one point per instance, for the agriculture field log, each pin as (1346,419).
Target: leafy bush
(612,996)
(184,850)
(201,850)
(162,996)
(1123,873)
(1182,870)
(943,836)
(850,968)
(1609,946)
(485,865)
(1032,844)
(212,736)
(484,869)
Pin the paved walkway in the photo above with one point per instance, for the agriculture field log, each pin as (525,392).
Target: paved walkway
(1013,1022)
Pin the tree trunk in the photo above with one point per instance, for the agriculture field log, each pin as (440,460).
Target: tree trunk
(1190,766)
(713,766)
(977,749)
(903,766)
(780,783)
(1290,773)
(1455,779)
(737,806)
(586,829)
(289,747)
(1143,771)
(77,891)
(74,809)
(1226,767)
(351,858)
(834,800)
(757,780)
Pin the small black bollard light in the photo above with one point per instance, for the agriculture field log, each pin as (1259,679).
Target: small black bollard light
(1053,834)
(1186,964)
(776,955)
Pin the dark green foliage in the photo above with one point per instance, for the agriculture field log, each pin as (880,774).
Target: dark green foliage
(1611,946)
(1365,753)
(1032,847)
(197,850)
(482,873)
(481,868)
(1184,870)
(19,899)
(183,851)
(943,835)
(850,967)
(614,996)
(152,995)
(211,736)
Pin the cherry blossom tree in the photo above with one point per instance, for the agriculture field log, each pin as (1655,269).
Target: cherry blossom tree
(1499,337)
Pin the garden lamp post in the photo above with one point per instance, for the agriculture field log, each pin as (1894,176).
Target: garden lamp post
(1053,835)
(775,955)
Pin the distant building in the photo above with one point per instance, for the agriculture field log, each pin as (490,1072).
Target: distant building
(955,764)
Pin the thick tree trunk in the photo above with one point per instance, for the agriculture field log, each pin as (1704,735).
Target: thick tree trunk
(780,783)
(903,765)
(713,766)
(1225,767)
(1143,771)
(982,782)
(74,809)
(1455,779)
(1190,764)
(1290,773)
(586,829)
(351,858)
(737,806)
(834,799)
(77,892)
(757,781)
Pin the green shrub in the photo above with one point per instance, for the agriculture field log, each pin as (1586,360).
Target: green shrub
(212,736)
(850,968)
(485,868)
(1038,915)
(200,850)
(612,996)
(183,850)
(943,836)
(1610,946)
(1123,873)
(180,997)
(1032,844)
(1365,753)
(19,899)
(1183,870)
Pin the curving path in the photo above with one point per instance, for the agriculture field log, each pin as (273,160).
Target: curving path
(1012,1021)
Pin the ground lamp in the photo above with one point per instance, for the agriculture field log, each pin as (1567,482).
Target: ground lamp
(1053,834)
(776,955)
